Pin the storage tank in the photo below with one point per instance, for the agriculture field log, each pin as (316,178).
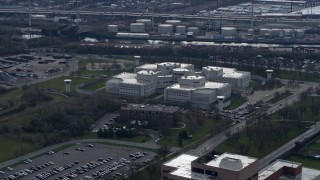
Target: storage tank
(113,28)
(299,33)
(181,29)
(146,22)
(275,32)
(264,32)
(137,27)
(165,29)
(287,32)
(173,22)
(195,30)
(228,31)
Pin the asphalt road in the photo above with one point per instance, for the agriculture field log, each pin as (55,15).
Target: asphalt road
(287,147)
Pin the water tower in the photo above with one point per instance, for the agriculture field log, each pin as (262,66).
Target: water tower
(68,83)
(269,74)
(220,102)
(136,60)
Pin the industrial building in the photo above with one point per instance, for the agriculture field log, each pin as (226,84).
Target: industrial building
(210,166)
(281,169)
(180,83)
(147,112)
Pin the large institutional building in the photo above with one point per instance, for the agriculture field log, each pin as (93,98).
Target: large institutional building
(180,83)
(232,167)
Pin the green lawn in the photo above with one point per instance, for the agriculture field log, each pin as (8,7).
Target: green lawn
(59,85)
(228,146)
(300,76)
(95,86)
(308,162)
(62,147)
(11,148)
(137,139)
(236,103)
(312,147)
(171,140)
(11,93)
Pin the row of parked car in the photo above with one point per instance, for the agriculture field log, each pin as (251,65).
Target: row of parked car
(24,172)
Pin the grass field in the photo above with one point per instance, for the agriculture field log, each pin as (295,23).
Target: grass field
(95,86)
(11,148)
(300,76)
(11,93)
(236,103)
(312,147)
(171,140)
(59,85)
(293,131)
(308,162)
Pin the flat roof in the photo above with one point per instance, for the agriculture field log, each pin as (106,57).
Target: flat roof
(128,78)
(147,72)
(148,67)
(227,72)
(275,166)
(310,174)
(182,161)
(183,165)
(245,160)
(192,77)
(187,173)
(207,86)
(307,173)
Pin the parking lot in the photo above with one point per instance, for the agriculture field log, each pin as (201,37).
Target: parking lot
(82,161)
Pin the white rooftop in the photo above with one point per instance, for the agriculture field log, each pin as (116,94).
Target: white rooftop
(183,165)
(182,162)
(232,73)
(181,69)
(275,166)
(144,72)
(307,173)
(310,174)
(149,67)
(207,85)
(188,174)
(192,77)
(234,159)
(129,78)
(227,72)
